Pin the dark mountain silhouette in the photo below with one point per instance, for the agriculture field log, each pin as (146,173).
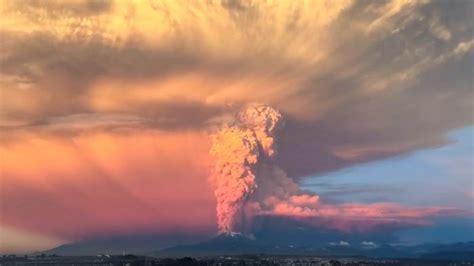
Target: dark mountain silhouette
(244,245)
(118,245)
(223,244)
(237,244)
(240,244)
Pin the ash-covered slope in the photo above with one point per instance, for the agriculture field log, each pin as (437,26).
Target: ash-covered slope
(223,244)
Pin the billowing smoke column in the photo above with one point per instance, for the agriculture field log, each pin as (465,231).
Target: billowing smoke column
(238,148)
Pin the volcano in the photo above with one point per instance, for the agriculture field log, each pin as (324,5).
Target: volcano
(222,244)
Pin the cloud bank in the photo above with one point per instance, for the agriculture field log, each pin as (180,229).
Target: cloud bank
(115,99)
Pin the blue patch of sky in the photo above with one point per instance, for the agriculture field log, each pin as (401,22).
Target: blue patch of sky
(436,177)
(442,176)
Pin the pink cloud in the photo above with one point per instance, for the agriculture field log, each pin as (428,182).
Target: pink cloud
(351,217)
(74,187)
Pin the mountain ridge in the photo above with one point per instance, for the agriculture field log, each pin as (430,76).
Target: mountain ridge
(240,244)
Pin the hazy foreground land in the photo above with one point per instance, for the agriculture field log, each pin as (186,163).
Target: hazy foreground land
(220,260)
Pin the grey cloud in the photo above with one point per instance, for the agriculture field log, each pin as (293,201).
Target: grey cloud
(163,116)
(334,193)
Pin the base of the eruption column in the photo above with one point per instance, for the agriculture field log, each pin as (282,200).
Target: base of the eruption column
(228,243)
(235,235)
(231,234)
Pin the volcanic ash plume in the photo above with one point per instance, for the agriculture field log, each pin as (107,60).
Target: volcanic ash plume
(238,147)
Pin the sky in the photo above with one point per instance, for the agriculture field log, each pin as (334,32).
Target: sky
(130,117)
(440,176)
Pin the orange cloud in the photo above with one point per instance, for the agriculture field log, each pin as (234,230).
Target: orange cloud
(105,183)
